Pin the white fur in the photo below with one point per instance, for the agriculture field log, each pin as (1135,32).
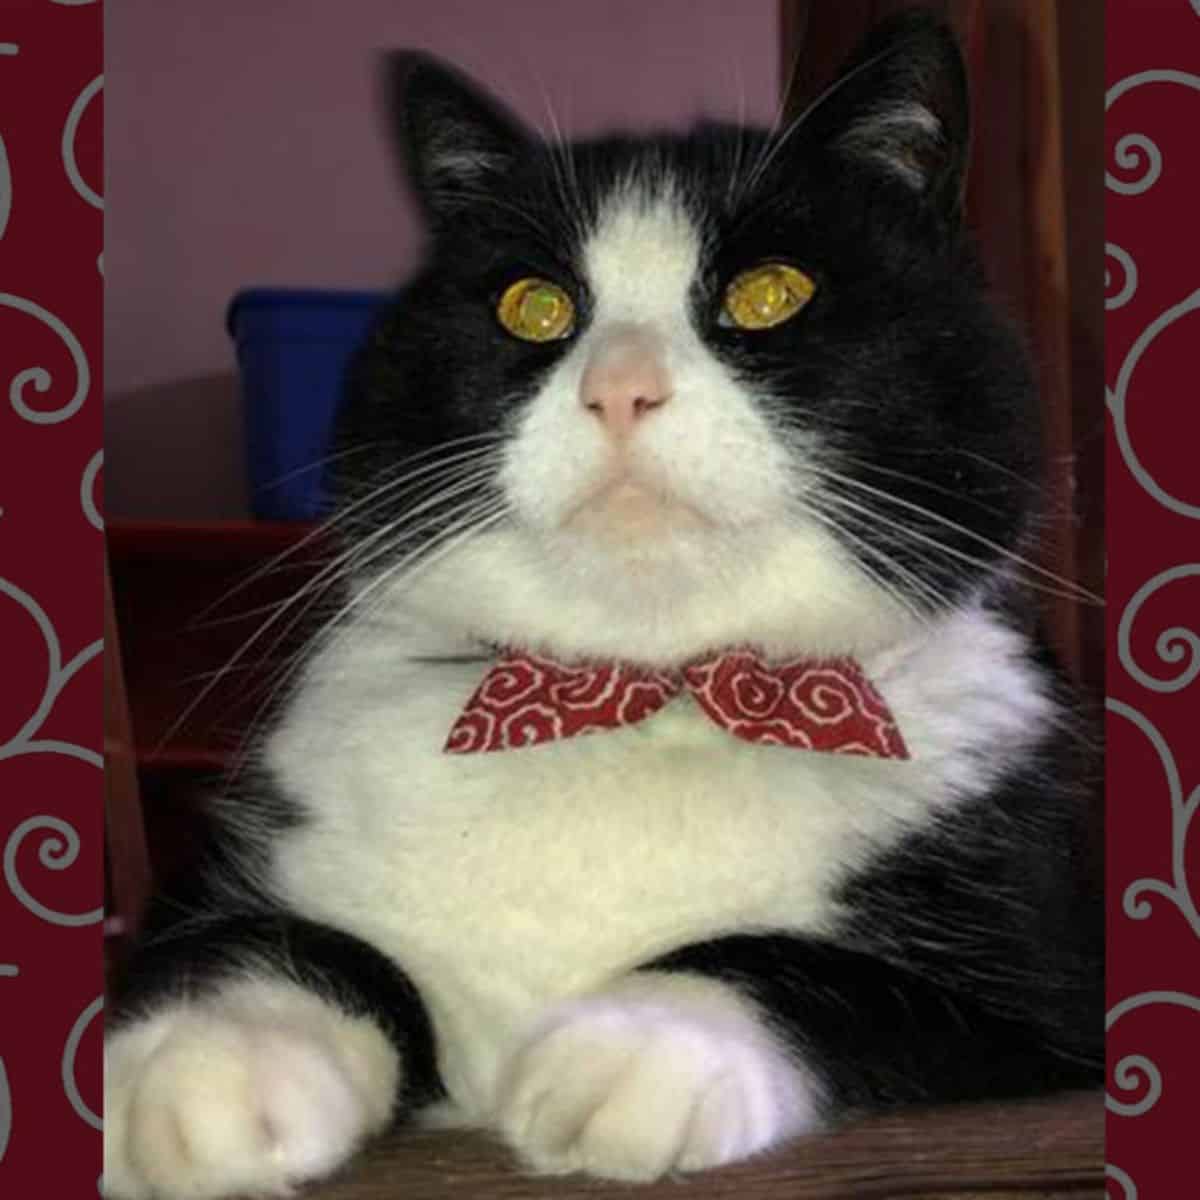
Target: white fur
(772,586)
(507,882)
(731,558)
(658,1073)
(516,888)
(709,448)
(251,1090)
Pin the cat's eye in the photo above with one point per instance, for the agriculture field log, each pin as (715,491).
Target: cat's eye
(536,310)
(766,295)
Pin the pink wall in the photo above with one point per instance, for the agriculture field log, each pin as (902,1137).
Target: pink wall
(243,146)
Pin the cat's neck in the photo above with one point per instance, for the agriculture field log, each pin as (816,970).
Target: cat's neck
(489,596)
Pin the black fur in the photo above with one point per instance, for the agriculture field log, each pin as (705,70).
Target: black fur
(214,920)
(966,962)
(194,957)
(878,1034)
(919,389)
(969,959)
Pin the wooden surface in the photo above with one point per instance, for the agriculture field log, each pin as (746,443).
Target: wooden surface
(1035,1150)
(128,860)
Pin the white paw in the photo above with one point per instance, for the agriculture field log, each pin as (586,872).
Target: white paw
(661,1073)
(249,1093)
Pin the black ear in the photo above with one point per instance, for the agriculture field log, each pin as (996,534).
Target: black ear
(457,141)
(901,104)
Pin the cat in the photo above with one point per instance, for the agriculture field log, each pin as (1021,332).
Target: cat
(647,400)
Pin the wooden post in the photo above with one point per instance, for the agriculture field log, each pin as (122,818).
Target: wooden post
(125,832)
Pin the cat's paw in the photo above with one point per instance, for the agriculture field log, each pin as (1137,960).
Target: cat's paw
(246,1094)
(661,1073)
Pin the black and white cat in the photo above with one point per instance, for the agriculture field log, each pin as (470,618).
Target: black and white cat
(668,396)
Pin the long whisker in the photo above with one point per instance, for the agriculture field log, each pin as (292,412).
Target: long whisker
(351,560)
(414,560)
(324,574)
(468,480)
(481,199)
(562,162)
(739,149)
(479,461)
(277,679)
(816,505)
(323,461)
(402,476)
(422,558)
(849,520)
(862,518)
(357,560)
(1072,590)
(437,451)
(866,465)
(1077,591)
(463,477)
(887,562)
(776,144)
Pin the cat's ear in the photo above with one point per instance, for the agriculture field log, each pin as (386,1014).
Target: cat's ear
(901,104)
(457,142)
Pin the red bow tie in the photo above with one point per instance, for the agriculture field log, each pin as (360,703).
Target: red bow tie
(811,705)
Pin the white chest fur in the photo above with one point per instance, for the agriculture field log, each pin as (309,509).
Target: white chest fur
(503,881)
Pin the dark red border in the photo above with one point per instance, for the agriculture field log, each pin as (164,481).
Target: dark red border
(50,550)
(51,687)
(1154,589)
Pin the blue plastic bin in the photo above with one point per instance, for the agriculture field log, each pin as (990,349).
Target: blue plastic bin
(293,347)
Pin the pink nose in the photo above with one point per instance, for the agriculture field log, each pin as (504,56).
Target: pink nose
(625,380)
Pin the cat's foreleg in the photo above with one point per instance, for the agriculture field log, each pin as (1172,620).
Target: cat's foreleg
(251,1053)
(726,1048)
(657,1072)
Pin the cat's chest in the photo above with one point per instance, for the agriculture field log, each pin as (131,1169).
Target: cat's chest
(504,881)
(556,864)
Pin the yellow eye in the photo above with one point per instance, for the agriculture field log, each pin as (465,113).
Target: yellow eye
(536,310)
(767,295)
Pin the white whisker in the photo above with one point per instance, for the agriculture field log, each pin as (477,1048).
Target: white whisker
(1069,590)
(475,477)
(934,602)
(775,144)
(470,525)
(324,527)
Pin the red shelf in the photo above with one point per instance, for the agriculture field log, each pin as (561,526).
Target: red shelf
(186,599)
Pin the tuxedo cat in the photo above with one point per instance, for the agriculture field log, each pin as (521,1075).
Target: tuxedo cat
(723,397)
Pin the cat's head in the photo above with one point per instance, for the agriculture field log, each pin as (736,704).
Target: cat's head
(651,395)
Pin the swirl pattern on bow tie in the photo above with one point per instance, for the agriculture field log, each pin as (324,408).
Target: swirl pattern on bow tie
(526,699)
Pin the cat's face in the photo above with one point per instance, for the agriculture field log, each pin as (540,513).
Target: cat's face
(650,446)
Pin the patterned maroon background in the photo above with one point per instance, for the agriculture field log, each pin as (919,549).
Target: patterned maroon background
(51,616)
(1153,293)
(50,595)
